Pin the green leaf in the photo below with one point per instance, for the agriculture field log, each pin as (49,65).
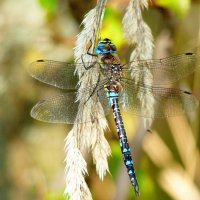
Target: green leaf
(56,196)
(115,159)
(178,7)
(112,27)
(49,5)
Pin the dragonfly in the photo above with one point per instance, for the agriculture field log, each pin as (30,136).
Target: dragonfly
(114,86)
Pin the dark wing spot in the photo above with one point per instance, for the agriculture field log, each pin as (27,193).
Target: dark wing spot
(188,53)
(40,60)
(186,92)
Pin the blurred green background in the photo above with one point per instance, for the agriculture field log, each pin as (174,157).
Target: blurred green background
(31,152)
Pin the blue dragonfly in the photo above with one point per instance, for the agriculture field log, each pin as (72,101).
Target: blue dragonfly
(113,86)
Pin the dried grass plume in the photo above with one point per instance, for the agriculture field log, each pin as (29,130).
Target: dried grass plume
(86,136)
(138,33)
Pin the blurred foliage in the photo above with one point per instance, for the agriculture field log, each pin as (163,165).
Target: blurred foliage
(112,24)
(49,6)
(178,7)
(115,159)
(31,152)
(60,196)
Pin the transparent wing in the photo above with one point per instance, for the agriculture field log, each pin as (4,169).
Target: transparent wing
(167,101)
(56,73)
(166,70)
(57,109)
(63,108)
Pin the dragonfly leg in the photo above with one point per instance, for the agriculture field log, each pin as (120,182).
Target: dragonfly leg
(90,66)
(93,90)
(105,81)
(91,54)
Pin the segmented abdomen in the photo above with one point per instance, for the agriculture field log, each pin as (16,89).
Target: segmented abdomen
(125,149)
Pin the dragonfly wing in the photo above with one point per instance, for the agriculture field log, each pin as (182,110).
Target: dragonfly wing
(166,70)
(63,108)
(102,95)
(165,102)
(173,102)
(55,73)
(57,109)
(95,107)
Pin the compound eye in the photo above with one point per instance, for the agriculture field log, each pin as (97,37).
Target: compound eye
(105,48)
(107,40)
(113,47)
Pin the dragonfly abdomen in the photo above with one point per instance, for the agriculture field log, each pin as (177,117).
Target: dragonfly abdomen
(124,145)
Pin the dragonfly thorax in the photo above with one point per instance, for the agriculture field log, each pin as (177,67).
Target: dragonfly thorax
(111,67)
(115,73)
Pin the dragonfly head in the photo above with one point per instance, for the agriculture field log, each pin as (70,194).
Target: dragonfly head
(105,46)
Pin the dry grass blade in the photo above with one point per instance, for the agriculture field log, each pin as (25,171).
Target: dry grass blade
(139,34)
(76,187)
(151,144)
(186,144)
(91,135)
(179,181)
(178,184)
